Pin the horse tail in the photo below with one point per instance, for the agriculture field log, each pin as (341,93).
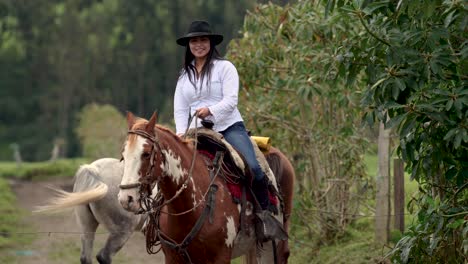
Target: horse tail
(276,166)
(285,177)
(87,188)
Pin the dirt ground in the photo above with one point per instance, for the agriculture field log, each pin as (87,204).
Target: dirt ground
(58,236)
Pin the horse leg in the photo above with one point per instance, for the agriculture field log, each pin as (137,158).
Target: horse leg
(88,225)
(114,243)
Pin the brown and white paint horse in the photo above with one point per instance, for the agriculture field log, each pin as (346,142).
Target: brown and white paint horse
(155,155)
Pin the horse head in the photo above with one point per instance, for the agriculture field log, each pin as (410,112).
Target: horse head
(140,154)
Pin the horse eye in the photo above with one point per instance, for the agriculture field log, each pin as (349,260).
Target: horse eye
(146,155)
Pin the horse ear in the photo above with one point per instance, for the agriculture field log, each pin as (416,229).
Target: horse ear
(151,123)
(130,120)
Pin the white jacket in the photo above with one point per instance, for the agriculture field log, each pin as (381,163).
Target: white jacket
(220,96)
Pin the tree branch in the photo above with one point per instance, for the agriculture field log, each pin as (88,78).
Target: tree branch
(372,33)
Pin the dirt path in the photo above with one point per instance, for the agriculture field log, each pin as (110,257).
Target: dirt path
(58,240)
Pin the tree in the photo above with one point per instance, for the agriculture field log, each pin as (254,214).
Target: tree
(57,56)
(413,55)
(100,127)
(288,94)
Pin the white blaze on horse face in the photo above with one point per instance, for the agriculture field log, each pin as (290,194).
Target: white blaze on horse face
(230,231)
(173,166)
(132,163)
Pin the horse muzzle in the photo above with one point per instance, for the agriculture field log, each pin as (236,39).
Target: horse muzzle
(129,200)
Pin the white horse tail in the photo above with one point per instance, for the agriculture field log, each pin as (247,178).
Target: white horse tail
(87,188)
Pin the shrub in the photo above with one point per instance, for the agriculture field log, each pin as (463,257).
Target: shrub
(101,130)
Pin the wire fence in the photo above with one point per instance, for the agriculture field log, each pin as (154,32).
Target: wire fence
(49,233)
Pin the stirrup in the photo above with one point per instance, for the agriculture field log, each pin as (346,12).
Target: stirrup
(267,227)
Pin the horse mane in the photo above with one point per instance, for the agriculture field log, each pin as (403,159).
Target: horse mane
(187,141)
(141,122)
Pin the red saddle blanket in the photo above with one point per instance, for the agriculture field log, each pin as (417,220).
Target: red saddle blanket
(236,188)
(236,193)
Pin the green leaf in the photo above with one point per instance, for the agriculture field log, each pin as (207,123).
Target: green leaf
(395,121)
(393,105)
(458,105)
(450,174)
(400,84)
(329,7)
(450,18)
(395,91)
(456,224)
(405,251)
(376,84)
(450,134)
(449,104)
(457,140)
(462,177)
(427,107)
(407,126)
(434,242)
(371,8)
(434,66)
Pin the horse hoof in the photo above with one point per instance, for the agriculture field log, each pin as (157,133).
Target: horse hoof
(103,260)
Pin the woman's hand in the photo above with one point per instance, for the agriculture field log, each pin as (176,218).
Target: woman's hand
(203,112)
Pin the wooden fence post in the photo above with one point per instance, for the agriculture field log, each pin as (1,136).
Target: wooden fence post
(382,210)
(399,194)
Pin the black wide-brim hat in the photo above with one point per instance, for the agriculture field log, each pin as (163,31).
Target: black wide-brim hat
(198,29)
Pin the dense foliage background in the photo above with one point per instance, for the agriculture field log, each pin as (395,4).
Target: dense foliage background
(291,93)
(58,55)
(414,57)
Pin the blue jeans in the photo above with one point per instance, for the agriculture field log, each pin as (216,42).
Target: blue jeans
(237,136)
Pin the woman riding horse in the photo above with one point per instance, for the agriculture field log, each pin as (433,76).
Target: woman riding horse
(208,87)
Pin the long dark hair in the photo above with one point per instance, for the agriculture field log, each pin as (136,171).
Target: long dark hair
(190,69)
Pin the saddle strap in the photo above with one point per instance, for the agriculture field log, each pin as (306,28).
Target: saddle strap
(243,202)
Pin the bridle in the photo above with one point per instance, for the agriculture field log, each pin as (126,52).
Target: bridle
(153,206)
(145,186)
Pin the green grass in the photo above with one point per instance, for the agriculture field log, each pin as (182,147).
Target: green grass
(357,245)
(40,170)
(10,228)
(67,250)
(411,186)
(13,231)
(357,248)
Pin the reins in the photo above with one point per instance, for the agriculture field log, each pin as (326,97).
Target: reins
(153,206)
(212,176)
(155,237)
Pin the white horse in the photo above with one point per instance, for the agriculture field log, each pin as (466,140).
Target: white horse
(94,199)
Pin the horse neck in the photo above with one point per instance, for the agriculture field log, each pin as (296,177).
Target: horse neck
(177,171)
